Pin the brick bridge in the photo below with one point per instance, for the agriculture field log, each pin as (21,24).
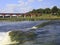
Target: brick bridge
(16,15)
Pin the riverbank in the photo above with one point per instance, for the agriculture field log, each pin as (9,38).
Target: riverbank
(43,17)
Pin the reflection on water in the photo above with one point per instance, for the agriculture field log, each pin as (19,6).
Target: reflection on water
(47,35)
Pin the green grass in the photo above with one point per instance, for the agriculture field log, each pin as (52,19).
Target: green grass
(21,37)
(43,24)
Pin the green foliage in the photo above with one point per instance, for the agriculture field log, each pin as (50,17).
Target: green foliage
(54,9)
(21,36)
(59,12)
(47,11)
(43,24)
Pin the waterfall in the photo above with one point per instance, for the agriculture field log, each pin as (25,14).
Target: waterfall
(5,38)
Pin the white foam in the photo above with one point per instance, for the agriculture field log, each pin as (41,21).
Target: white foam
(5,38)
(34,27)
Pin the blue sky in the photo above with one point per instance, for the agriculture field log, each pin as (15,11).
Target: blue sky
(21,6)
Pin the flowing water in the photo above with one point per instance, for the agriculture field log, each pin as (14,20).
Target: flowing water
(5,27)
(47,35)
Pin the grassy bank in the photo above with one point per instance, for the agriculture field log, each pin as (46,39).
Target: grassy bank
(43,24)
(34,18)
(22,37)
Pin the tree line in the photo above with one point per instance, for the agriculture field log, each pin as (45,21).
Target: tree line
(54,11)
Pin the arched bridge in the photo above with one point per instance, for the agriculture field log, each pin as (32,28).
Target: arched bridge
(16,15)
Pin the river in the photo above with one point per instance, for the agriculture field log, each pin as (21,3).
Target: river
(47,35)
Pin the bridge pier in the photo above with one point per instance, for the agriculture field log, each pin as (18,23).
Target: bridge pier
(24,16)
(3,15)
(31,15)
(10,15)
(17,15)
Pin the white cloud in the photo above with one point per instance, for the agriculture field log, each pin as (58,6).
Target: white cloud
(22,3)
(40,0)
(31,0)
(9,8)
(22,6)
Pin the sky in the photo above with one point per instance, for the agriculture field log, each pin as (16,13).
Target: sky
(23,6)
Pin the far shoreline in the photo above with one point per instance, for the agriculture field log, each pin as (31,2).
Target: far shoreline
(34,18)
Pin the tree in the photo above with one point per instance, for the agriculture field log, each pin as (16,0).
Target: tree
(58,11)
(54,10)
(47,10)
(40,10)
(34,11)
